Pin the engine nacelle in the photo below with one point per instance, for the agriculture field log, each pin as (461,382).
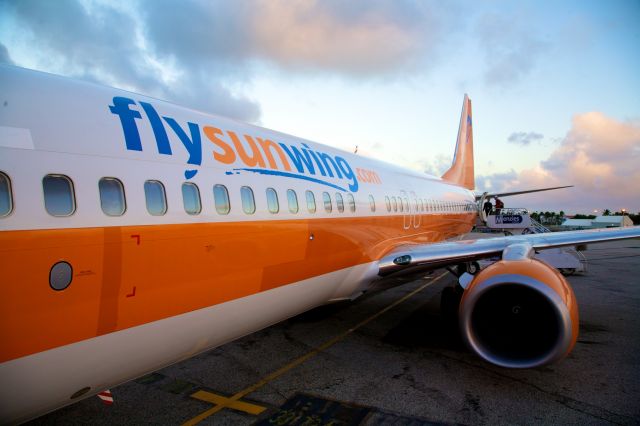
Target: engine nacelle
(519,314)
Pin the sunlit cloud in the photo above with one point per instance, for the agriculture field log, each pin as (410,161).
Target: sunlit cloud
(194,51)
(599,155)
(384,36)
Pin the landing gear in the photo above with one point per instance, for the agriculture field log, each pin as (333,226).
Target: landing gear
(449,303)
(469,267)
(451,296)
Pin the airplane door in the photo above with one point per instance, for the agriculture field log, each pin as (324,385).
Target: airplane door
(481,212)
(417,218)
(406,210)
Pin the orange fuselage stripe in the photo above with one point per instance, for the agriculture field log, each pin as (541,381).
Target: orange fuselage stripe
(129,276)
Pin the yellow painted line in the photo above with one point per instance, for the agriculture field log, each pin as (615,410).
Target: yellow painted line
(308,355)
(228,402)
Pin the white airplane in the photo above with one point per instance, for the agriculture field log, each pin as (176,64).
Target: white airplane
(135,233)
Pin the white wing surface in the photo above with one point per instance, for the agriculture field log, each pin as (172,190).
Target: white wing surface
(412,258)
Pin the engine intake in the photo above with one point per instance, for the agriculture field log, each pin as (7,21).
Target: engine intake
(519,314)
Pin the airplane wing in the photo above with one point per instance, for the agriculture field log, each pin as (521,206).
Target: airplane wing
(514,313)
(413,258)
(506,194)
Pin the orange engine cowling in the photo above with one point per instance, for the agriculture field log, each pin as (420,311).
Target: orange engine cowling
(519,314)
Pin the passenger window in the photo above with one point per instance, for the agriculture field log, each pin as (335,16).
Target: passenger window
(111,196)
(400,205)
(339,202)
(59,199)
(272,201)
(221,199)
(326,198)
(292,198)
(155,197)
(406,204)
(248,201)
(6,198)
(395,204)
(387,201)
(311,202)
(352,203)
(191,198)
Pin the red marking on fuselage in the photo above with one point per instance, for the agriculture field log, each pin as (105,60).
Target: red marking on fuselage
(133,293)
(137,237)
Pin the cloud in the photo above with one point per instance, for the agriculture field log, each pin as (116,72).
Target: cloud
(496,182)
(435,166)
(203,53)
(384,36)
(105,42)
(349,38)
(5,58)
(599,155)
(511,48)
(523,138)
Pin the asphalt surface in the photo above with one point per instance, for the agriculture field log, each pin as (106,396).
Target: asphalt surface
(404,366)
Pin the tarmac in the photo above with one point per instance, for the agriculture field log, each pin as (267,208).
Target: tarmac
(389,358)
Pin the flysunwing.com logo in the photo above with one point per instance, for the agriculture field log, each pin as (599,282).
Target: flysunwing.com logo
(258,155)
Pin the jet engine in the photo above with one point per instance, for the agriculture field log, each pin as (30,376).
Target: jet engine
(519,313)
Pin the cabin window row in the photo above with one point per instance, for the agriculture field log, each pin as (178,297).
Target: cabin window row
(59,198)
(401,204)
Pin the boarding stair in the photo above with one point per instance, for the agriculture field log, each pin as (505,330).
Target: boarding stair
(518,221)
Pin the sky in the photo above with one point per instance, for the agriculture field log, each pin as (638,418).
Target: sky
(555,86)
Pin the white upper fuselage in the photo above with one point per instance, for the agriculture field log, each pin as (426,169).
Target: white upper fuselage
(53,125)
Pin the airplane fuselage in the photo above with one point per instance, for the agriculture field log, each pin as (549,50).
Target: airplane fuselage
(139,233)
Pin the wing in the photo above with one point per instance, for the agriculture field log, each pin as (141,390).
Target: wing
(506,194)
(413,258)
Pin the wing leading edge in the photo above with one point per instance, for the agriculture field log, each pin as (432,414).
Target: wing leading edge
(413,258)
